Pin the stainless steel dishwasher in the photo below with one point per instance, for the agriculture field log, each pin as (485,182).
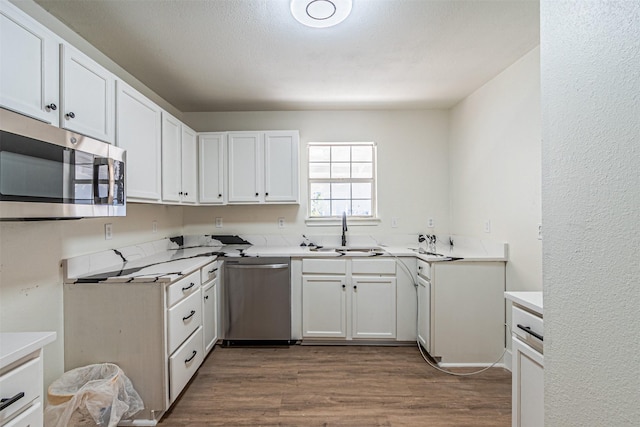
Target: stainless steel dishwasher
(257,301)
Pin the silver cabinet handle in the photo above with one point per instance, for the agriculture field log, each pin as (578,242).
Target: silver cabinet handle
(258,266)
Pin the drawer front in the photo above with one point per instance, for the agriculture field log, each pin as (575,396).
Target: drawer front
(324,266)
(424,269)
(527,320)
(183,287)
(32,417)
(27,379)
(209,272)
(373,266)
(184,363)
(183,319)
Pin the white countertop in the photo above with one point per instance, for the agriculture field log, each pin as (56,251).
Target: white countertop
(531,300)
(165,260)
(16,345)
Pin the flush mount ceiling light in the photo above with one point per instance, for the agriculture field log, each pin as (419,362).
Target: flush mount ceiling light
(320,13)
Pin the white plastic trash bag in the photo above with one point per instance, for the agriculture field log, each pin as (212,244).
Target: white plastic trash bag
(91,395)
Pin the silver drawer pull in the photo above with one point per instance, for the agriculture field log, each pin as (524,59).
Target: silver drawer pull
(5,403)
(528,330)
(191,285)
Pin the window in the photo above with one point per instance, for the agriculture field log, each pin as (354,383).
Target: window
(342,179)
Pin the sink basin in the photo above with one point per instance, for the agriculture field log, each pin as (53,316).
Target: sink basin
(352,250)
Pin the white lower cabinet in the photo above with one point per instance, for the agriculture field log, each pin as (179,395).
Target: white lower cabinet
(527,375)
(349,299)
(324,307)
(424,319)
(154,331)
(210,308)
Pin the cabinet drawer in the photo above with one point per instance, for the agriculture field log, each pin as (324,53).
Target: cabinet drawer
(373,266)
(184,363)
(424,269)
(209,272)
(32,417)
(527,320)
(183,319)
(324,266)
(27,379)
(183,287)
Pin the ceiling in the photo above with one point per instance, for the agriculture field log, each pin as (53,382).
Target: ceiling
(240,55)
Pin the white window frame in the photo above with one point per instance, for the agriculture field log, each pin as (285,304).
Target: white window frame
(353,219)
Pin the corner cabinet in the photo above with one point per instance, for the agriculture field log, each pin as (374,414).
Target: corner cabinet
(263,167)
(30,77)
(87,95)
(211,168)
(138,131)
(179,155)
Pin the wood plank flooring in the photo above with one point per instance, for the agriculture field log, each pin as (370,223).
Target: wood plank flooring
(337,386)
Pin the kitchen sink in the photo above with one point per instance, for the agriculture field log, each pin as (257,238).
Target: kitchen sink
(351,250)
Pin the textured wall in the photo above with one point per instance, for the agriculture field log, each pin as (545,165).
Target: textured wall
(494,167)
(590,64)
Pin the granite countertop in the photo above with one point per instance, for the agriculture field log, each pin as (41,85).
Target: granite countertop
(16,345)
(531,300)
(167,260)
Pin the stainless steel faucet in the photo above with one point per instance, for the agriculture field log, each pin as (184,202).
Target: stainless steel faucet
(344,228)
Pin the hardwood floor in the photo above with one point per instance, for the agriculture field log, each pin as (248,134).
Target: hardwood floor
(337,386)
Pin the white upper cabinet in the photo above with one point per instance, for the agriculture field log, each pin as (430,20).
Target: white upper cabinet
(171,158)
(29,61)
(189,186)
(211,150)
(281,183)
(87,95)
(245,167)
(263,167)
(179,154)
(138,124)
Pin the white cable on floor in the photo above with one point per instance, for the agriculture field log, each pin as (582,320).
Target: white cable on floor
(426,359)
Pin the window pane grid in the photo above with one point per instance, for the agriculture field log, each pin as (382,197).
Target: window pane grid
(341,179)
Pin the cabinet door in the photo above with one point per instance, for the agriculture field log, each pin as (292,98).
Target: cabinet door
(527,385)
(209,312)
(211,151)
(424,313)
(171,158)
(246,162)
(373,307)
(324,307)
(138,131)
(87,96)
(281,163)
(189,187)
(29,81)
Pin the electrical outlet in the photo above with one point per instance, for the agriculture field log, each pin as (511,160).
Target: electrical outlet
(539,231)
(430,223)
(154,226)
(487,226)
(394,222)
(108,231)
(218,222)
(280,222)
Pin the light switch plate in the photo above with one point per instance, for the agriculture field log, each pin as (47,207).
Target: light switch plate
(487,226)
(218,222)
(394,222)
(154,226)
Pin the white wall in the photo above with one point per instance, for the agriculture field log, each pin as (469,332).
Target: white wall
(494,167)
(31,275)
(412,168)
(590,57)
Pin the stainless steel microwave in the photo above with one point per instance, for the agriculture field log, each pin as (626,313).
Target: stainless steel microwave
(50,173)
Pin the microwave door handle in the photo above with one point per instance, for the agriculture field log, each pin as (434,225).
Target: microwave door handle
(112,182)
(97,163)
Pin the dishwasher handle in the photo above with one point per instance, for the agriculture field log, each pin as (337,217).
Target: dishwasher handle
(258,266)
